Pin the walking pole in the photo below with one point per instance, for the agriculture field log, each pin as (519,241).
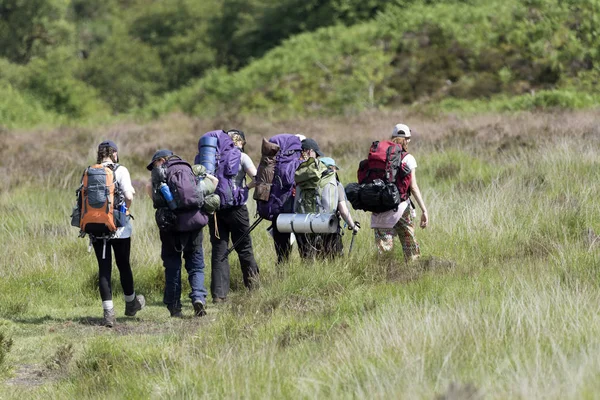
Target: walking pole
(229,250)
(353,236)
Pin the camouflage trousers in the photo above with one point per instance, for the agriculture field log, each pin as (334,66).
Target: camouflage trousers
(405,229)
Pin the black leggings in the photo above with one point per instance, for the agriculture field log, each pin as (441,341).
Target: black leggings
(122,248)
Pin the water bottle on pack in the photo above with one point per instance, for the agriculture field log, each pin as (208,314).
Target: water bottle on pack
(166,192)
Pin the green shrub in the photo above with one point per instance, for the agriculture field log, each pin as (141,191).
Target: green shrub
(178,31)
(29,29)
(126,73)
(18,108)
(462,49)
(52,81)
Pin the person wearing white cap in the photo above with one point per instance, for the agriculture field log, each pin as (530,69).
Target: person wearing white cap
(400,221)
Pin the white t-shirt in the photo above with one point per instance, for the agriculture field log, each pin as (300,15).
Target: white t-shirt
(390,218)
(124,180)
(245,165)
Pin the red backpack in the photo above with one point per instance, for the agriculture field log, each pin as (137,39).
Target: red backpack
(385,162)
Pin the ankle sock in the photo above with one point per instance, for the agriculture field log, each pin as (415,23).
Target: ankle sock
(107,305)
(129,298)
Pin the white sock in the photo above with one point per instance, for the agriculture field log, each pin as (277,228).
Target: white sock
(130,297)
(107,305)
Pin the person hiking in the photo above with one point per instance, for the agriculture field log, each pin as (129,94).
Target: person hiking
(178,205)
(274,191)
(318,190)
(342,208)
(119,241)
(233,221)
(399,221)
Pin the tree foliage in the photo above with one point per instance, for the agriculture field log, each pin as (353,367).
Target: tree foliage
(29,28)
(247,29)
(76,58)
(126,73)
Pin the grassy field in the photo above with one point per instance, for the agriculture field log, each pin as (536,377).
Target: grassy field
(503,304)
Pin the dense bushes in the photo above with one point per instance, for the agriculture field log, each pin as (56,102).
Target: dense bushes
(421,53)
(73,59)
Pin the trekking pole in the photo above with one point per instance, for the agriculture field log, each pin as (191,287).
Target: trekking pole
(229,250)
(353,236)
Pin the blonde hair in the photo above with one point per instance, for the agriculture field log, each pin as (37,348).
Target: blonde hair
(238,141)
(402,141)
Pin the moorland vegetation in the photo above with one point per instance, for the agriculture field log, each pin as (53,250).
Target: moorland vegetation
(504,302)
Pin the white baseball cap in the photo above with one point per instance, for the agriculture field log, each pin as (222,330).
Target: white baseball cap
(401,130)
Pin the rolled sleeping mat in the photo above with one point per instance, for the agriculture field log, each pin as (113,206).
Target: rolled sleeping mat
(307,223)
(208,153)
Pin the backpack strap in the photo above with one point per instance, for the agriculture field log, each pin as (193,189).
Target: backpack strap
(395,168)
(119,197)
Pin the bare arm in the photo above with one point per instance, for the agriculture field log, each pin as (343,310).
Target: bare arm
(128,199)
(251,172)
(414,188)
(345,213)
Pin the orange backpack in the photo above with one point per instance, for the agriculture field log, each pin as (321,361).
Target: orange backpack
(100,195)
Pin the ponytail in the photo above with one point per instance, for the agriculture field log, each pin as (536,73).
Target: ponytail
(402,142)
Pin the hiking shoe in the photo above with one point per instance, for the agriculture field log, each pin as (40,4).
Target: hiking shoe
(135,305)
(109,318)
(175,310)
(199,310)
(218,300)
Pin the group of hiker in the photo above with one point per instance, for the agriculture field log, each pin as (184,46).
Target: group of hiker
(296,188)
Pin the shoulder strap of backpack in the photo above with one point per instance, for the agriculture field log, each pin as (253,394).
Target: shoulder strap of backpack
(398,168)
(390,168)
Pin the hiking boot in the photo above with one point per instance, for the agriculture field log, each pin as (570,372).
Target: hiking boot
(109,318)
(135,305)
(218,300)
(175,310)
(199,310)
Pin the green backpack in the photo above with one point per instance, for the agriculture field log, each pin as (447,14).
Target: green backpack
(316,188)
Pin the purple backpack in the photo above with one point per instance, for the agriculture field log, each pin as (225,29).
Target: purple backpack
(187,195)
(182,183)
(227,166)
(287,161)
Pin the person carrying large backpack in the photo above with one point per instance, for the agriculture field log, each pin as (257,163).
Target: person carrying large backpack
(390,166)
(232,219)
(274,191)
(178,198)
(102,212)
(319,191)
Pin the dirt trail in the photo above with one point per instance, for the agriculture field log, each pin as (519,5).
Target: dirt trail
(29,375)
